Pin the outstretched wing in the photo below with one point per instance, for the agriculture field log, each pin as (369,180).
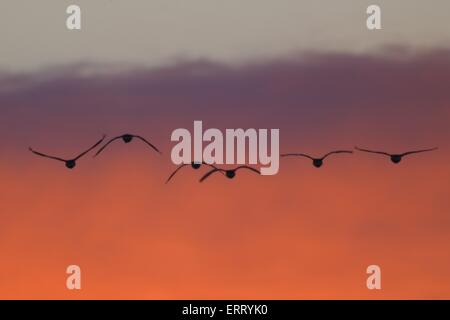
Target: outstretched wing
(94,146)
(249,168)
(418,151)
(148,143)
(337,151)
(371,151)
(46,156)
(176,170)
(209,173)
(296,155)
(107,144)
(210,165)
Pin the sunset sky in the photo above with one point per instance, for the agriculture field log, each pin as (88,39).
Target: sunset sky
(309,68)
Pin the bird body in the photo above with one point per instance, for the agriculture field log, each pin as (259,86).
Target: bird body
(317,163)
(127,138)
(230,174)
(70,164)
(396,158)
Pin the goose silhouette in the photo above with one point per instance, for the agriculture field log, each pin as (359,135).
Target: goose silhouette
(71,163)
(127,138)
(230,173)
(395,158)
(194,165)
(317,162)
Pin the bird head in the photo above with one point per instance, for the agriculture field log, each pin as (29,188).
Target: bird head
(70,164)
(195,165)
(230,174)
(395,158)
(127,138)
(317,163)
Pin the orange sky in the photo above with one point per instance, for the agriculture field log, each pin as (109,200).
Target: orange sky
(305,233)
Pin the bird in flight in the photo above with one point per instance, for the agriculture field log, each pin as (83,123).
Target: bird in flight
(396,158)
(127,138)
(71,163)
(193,164)
(230,173)
(317,162)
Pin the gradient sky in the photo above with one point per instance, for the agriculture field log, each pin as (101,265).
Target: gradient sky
(304,233)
